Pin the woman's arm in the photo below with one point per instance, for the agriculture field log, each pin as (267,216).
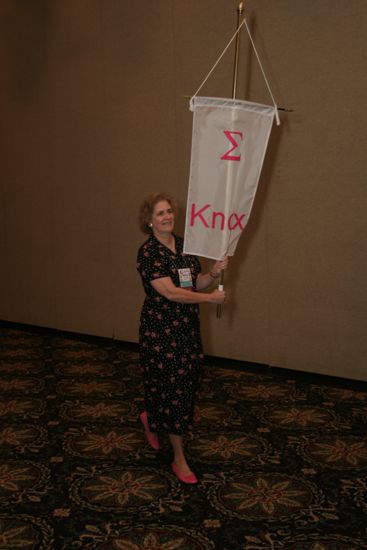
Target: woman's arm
(204,280)
(166,288)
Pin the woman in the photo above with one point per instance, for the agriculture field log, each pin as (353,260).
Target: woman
(169,335)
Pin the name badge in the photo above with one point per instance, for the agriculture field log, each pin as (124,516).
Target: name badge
(185,277)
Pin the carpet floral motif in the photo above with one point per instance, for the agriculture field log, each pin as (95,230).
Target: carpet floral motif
(232,447)
(24,532)
(268,497)
(118,489)
(21,481)
(337,452)
(150,538)
(105,443)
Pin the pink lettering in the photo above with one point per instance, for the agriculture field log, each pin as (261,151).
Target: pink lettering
(198,214)
(234,221)
(237,220)
(214,217)
(229,135)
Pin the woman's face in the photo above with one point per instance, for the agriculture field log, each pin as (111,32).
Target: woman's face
(163,218)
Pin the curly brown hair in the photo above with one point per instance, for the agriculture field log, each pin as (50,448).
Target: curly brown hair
(147,208)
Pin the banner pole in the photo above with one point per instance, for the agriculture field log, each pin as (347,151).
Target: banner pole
(240,14)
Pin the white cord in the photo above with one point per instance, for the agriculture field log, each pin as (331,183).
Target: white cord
(263,72)
(220,57)
(216,63)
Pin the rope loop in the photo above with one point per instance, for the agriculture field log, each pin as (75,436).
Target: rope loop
(244,22)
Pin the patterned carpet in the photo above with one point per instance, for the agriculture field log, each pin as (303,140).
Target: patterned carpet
(281,456)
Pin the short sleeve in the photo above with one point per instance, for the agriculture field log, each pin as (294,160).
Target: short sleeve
(152,263)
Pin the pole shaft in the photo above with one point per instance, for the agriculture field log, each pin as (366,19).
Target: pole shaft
(240,14)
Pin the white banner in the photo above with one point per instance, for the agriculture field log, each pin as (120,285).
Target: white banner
(229,141)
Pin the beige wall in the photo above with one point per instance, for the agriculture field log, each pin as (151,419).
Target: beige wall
(93,117)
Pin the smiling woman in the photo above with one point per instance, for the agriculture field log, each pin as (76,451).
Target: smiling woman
(169,336)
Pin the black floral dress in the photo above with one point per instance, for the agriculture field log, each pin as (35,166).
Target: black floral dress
(169,339)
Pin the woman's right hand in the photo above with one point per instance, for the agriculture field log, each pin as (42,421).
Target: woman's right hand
(217,296)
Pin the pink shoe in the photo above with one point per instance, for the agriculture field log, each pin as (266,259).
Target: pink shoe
(151,437)
(191,478)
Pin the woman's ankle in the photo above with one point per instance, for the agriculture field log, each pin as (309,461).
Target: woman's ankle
(182,465)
